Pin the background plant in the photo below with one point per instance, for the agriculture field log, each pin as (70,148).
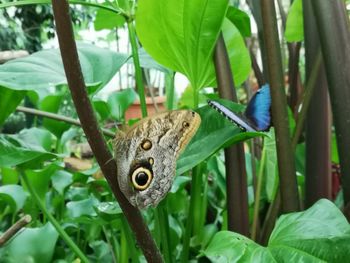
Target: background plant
(73,208)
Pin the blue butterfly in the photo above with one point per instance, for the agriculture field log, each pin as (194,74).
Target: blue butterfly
(257,116)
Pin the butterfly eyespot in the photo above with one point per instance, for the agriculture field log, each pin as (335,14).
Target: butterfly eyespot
(141,178)
(146,145)
(193,113)
(185,124)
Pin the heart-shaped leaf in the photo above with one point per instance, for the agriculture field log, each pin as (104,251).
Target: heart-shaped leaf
(214,133)
(319,234)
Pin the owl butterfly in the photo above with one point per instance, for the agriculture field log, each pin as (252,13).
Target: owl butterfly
(146,155)
(257,116)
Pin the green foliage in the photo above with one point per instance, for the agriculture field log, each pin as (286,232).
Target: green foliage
(185,42)
(31,245)
(240,19)
(9,100)
(295,25)
(38,179)
(213,134)
(24,147)
(36,72)
(120,101)
(319,234)
(13,196)
(108,20)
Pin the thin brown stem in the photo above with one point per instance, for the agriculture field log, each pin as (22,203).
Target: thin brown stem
(58,117)
(90,126)
(13,230)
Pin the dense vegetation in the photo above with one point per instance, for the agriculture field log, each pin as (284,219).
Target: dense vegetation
(231,186)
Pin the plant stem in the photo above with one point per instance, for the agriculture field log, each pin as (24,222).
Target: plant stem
(195,191)
(169,84)
(332,20)
(58,117)
(52,220)
(73,2)
(13,230)
(90,126)
(285,156)
(258,194)
(164,231)
(138,70)
(308,94)
(236,176)
(318,169)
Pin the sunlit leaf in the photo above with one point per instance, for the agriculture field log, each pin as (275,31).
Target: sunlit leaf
(295,22)
(181,34)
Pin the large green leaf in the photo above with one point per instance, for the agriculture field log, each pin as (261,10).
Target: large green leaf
(319,234)
(295,22)
(14,196)
(44,69)
(9,99)
(31,245)
(181,35)
(214,133)
(29,145)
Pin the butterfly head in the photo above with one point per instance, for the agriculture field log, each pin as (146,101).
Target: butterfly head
(146,155)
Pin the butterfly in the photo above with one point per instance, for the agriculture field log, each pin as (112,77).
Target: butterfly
(146,155)
(257,116)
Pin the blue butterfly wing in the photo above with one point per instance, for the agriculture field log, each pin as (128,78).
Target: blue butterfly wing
(231,116)
(258,111)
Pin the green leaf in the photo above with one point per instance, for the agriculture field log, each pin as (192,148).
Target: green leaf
(29,145)
(31,245)
(120,101)
(271,172)
(319,234)
(102,252)
(9,100)
(40,179)
(52,103)
(63,146)
(60,180)
(181,35)
(14,196)
(237,51)
(240,19)
(295,22)
(109,211)
(34,137)
(44,69)
(214,133)
(9,175)
(101,107)
(105,19)
(82,208)
(146,61)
